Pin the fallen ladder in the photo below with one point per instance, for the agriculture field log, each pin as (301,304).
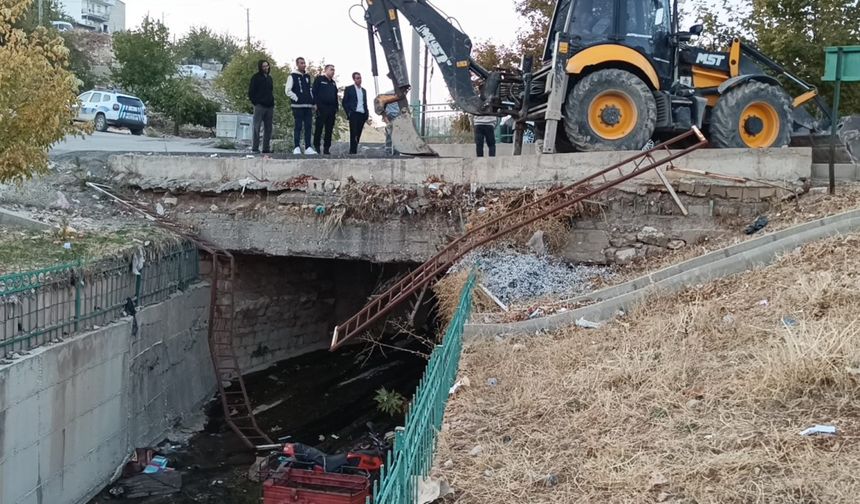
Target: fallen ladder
(551,204)
(238,412)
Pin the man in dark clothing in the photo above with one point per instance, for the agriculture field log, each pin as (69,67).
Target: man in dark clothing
(355,106)
(298,88)
(260,92)
(325,99)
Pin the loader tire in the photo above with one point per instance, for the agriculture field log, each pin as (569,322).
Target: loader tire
(610,110)
(753,115)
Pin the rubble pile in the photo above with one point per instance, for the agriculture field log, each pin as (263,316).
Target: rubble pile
(515,276)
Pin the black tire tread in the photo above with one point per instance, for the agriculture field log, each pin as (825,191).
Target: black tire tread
(575,111)
(724,132)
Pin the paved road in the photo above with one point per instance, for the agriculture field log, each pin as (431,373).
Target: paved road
(123,142)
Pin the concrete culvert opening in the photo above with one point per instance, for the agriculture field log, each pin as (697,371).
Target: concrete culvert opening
(285,311)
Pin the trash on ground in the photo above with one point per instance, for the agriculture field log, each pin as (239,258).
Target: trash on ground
(790,322)
(586,324)
(432,489)
(514,276)
(764,302)
(147,474)
(827,430)
(492,382)
(760,223)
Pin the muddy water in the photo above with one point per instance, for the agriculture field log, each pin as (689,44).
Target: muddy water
(319,394)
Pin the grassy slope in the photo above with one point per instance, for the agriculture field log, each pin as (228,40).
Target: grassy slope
(693,398)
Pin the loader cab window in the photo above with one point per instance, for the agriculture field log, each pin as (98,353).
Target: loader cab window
(593,20)
(645,22)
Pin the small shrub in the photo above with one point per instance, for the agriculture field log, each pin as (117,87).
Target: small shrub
(390,402)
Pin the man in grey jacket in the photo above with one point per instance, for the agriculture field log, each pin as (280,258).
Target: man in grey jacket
(298,89)
(485,130)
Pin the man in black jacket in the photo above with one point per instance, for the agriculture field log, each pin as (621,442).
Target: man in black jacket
(260,92)
(325,99)
(298,88)
(355,106)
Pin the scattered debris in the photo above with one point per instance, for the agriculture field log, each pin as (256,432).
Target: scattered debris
(760,223)
(827,430)
(586,324)
(432,489)
(514,276)
(492,382)
(61,202)
(789,322)
(477,450)
(536,244)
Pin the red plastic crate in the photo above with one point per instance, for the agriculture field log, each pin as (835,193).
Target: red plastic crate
(297,486)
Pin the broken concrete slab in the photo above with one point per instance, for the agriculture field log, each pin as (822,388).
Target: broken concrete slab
(513,172)
(12,219)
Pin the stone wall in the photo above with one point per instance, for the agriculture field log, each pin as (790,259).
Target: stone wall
(71,412)
(632,226)
(288,306)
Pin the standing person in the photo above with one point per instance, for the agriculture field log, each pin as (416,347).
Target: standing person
(485,129)
(355,106)
(325,99)
(298,89)
(388,107)
(260,92)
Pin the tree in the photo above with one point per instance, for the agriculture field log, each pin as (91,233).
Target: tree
(51,11)
(145,59)
(795,34)
(37,95)
(80,63)
(182,102)
(235,77)
(492,55)
(538,15)
(201,44)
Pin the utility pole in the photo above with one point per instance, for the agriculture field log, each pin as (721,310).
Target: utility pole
(248,27)
(415,75)
(424,90)
(41,12)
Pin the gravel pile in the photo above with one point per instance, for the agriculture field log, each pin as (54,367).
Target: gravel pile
(514,277)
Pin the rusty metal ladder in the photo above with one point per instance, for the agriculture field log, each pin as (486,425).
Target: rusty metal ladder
(238,411)
(551,204)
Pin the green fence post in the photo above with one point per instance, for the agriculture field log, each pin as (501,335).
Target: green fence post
(76,275)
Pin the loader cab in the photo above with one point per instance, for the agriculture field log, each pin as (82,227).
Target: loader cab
(643,25)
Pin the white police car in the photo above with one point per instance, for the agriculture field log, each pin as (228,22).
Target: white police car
(109,108)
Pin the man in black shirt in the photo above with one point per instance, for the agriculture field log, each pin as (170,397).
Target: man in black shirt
(325,99)
(260,92)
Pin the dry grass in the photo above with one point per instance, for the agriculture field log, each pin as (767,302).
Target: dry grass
(694,398)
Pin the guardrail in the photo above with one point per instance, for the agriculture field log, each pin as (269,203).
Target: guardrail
(49,304)
(414,446)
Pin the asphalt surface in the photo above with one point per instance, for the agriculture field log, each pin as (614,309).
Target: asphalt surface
(125,142)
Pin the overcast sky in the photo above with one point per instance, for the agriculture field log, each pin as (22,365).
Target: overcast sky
(320,29)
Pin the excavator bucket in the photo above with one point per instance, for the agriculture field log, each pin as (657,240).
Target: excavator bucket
(405,138)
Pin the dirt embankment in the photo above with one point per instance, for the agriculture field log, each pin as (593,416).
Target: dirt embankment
(698,397)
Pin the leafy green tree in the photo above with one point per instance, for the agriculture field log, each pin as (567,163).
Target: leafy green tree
(37,95)
(201,44)
(236,76)
(182,102)
(51,11)
(145,59)
(795,33)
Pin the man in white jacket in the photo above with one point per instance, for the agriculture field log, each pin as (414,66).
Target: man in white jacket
(485,130)
(298,89)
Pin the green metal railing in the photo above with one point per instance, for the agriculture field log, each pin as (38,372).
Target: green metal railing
(414,446)
(49,304)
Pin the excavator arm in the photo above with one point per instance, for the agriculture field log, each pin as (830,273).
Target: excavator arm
(450,47)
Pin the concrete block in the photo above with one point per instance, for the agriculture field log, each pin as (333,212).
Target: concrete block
(734,192)
(717,191)
(586,246)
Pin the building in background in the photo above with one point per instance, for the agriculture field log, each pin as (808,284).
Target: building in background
(97,15)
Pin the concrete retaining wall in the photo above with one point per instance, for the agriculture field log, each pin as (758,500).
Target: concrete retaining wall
(511,172)
(288,306)
(71,412)
(728,261)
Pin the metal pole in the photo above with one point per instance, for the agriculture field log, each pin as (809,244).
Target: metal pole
(834,120)
(424,90)
(41,12)
(248,27)
(415,74)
